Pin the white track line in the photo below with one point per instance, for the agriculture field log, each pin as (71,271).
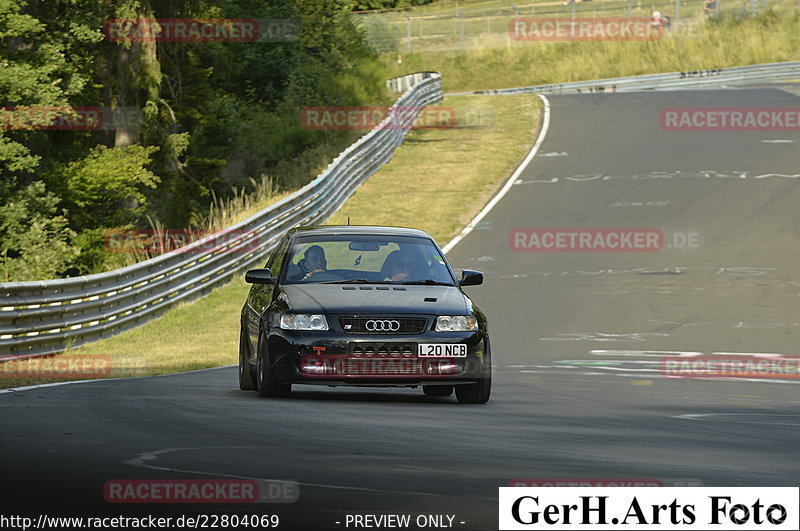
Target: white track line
(645,353)
(147,459)
(509,183)
(56,384)
(709,417)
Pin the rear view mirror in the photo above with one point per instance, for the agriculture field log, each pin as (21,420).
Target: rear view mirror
(259,276)
(471,278)
(364,246)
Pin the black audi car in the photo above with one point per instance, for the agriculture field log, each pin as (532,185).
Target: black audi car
(363,306)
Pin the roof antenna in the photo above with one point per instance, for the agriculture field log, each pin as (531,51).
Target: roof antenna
(348,221)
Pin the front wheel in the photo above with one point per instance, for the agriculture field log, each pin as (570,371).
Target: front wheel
(245,372)
(478,392)
(266,384)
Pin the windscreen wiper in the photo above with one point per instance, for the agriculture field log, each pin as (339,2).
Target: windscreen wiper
(426,282)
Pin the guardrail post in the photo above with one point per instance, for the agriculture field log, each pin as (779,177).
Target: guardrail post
(572,24)
(461,18)
(408,31)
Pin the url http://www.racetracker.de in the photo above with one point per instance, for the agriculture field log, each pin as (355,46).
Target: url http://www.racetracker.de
(198,521)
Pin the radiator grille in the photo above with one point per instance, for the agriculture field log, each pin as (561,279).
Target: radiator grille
(383,367)
(383,325)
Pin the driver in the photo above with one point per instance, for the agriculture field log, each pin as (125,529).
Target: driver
(314,260)
(398,266)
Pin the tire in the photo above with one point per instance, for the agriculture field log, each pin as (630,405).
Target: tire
(478,392)
(265,383)
(246,382)
(437,390)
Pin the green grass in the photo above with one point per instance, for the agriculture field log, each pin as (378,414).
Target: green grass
(195,335)
(462,167)
(764,39)
(478,24)
(440,178)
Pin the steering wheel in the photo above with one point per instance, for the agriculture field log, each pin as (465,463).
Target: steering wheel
(322,276)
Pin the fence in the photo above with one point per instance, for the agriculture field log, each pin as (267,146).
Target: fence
(44,317)
(461,28)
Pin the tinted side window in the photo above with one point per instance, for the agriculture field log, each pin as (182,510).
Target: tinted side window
(276,258)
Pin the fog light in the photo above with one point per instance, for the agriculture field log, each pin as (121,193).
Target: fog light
(442,367)
(314,369)
(449,368)
(317,367)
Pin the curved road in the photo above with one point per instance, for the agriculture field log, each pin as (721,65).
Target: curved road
(577,337)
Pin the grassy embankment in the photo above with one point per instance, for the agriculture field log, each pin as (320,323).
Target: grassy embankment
(765,39)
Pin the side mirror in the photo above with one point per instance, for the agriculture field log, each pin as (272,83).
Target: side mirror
(259,276)
(471,278)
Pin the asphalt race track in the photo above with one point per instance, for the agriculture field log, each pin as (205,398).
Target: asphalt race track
(577,338)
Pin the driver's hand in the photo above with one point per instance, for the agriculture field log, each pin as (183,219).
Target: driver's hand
(308,275)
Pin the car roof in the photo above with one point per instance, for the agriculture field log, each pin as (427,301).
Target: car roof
(327,230)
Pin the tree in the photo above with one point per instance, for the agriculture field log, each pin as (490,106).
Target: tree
(40,68)
(107,188)
(34,237)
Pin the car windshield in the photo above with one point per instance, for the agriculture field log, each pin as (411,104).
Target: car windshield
(348,259)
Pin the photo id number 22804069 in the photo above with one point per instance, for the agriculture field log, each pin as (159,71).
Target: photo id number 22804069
(442,350)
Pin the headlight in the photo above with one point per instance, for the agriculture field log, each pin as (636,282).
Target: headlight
(303,321)
(456,323)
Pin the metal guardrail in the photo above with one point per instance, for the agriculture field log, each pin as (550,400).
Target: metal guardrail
(45,317)
(698,79)
(401,84)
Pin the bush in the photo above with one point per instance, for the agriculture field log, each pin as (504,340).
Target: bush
(34,237)
(106,188)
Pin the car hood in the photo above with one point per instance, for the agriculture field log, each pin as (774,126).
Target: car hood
(341,298)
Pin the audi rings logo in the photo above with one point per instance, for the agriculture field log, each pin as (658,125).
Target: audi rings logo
(385,325)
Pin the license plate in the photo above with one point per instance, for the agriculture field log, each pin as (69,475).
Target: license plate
(442,350)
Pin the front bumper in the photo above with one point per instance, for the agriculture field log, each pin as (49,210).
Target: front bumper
(332,358)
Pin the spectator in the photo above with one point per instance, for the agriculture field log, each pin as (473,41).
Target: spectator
(655,19)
